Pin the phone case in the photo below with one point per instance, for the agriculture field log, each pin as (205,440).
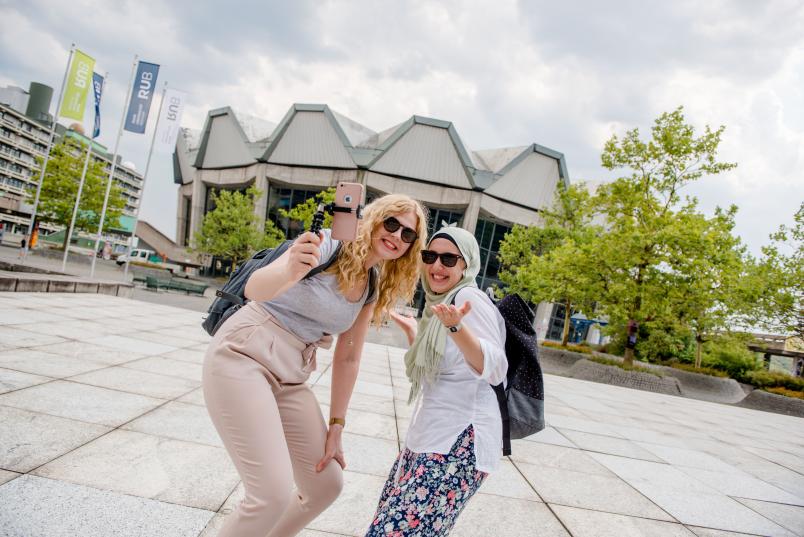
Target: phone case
(344,225)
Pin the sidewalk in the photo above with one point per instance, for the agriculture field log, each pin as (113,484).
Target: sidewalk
(103,432)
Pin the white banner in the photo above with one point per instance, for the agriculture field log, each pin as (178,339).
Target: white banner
(169,121)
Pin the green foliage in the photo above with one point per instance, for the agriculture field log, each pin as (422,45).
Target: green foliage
(657,247)
(60,188)
(665,340)
(303,212)
(730,354)
(775,379)
(712,372)
(584,349)
(778,281)
(625,366)
(232,230)
(787,393)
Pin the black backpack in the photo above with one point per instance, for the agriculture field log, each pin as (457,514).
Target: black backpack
(522,400)
(230,298)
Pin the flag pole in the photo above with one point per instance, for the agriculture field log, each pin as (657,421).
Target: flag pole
(114,166)
(144,179)
(47,153)
(80,189)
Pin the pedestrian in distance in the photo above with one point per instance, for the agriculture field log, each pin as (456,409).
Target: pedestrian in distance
(257,363)
(457,353)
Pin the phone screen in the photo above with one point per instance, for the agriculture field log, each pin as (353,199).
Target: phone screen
(344,225)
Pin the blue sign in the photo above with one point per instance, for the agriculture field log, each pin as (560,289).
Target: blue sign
(97,85)
(141,96)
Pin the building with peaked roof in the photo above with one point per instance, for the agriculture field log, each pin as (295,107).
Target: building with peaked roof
(314,148)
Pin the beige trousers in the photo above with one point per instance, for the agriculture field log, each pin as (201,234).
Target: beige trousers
(270,423)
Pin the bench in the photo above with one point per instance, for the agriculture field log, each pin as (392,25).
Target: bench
(188,286)
(176,284)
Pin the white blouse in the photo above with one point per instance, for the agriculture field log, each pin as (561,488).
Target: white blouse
(460,396)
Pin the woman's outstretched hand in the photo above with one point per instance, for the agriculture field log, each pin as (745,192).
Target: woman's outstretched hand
(450,315)
(333,449)
(408,325)
(304,254)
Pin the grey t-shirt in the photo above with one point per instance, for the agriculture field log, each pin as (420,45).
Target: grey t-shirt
(315,306)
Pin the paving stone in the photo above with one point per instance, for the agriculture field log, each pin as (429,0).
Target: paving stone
(45,363)
(508,482)
(74,510)
(11,380)
(140,382)
(368,423)
(6,476)
(87,351)
(368,455)
(30,439)
(487,515)
(588,491)
(166,366)
(180,421)
(607,444)
(148,466)
(136,345)
(549,435)
(556,457)
(790,517)
(81,402)
(586,523)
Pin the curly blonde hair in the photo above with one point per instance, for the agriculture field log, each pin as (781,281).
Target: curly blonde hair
(398,277)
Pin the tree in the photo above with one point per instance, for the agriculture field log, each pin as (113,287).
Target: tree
(303,212)
(641,211)
(60,188)
(551,263)
(232,230)
(779,281)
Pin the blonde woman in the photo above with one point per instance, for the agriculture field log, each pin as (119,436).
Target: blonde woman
(257,364)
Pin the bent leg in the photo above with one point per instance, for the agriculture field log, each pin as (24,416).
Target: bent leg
(306,434)
(241,403)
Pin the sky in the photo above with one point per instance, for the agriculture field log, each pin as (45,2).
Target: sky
(565,75)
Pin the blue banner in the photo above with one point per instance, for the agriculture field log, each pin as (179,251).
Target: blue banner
(141,96)
(97,85)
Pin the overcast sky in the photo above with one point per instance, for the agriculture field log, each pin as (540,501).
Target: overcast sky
(566,75)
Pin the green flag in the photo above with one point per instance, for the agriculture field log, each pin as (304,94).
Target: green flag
(79,83)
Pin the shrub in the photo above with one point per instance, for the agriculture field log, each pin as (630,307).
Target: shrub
(621,365)
(661,344)
(785,392)
(767,379)
(585,349)
(729,354)
(702,370)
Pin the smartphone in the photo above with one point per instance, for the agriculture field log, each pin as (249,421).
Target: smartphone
(344,225)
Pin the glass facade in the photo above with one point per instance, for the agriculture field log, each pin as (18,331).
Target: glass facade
(489,234)
(287,198)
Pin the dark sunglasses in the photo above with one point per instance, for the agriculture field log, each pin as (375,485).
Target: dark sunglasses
(448,260)
(391,224)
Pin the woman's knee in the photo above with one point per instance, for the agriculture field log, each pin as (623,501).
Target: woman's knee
(327,486)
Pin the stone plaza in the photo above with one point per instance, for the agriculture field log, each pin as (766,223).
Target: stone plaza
(103,432)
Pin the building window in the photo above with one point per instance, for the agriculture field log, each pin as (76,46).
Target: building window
(440,216)
(287,198)
(188,212)
(489,234)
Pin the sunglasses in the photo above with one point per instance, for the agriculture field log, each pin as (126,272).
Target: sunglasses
(391,224)
(448,260)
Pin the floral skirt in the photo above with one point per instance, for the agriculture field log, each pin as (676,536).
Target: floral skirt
(424,497)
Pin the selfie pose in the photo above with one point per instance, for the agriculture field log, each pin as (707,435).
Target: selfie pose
(258,361)
(455,435)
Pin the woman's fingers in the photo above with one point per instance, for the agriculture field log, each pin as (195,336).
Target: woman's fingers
(341,460)
(324,461)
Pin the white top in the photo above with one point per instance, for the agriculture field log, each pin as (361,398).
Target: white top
(460,396)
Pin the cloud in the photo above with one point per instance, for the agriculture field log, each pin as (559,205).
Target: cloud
(563,75)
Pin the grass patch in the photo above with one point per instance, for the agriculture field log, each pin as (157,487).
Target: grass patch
(711,371)
(786,392)
(622,365)
(583,349)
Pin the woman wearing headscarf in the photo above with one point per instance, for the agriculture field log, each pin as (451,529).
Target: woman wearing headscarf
(455,436)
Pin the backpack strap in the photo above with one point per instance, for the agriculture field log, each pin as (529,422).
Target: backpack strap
(315,270)
(502,401)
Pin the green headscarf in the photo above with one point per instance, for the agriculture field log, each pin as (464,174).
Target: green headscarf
(424,356)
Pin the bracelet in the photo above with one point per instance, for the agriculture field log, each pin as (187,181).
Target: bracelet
(337,421)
